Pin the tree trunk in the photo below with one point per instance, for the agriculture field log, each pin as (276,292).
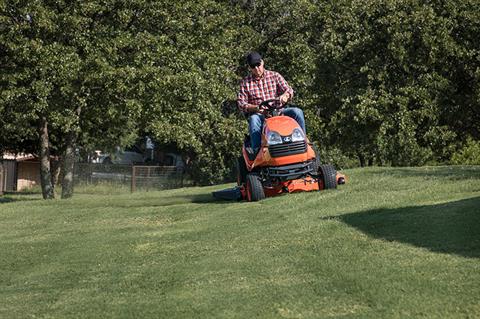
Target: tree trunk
(68,166)
(361,158)
(69,159)
(56,168)
(370,161)
(45,173)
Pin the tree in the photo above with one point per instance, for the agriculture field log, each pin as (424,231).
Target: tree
(65,70)
(392,81)
(387,72)
(188,56)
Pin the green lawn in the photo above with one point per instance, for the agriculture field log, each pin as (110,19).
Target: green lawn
(392,243)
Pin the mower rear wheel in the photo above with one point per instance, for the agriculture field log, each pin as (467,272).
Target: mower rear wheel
(328,175)
(254,188)
(241,171)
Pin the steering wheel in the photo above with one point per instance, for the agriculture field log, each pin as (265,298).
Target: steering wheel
(270,105)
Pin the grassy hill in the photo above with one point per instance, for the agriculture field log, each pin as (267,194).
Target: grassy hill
(392,243)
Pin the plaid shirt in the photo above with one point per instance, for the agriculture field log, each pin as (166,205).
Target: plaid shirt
(254,91)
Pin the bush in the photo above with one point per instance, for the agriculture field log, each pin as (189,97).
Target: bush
(337,158)
(468,155)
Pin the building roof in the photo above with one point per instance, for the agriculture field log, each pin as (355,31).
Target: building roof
(20,157)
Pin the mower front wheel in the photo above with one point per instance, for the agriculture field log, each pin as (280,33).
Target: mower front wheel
(254,188)
(328,175)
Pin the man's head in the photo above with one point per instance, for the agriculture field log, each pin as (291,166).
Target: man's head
(255,63)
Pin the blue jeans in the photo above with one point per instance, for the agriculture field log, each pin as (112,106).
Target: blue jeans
(255,124)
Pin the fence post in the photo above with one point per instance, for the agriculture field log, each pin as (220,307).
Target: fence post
(132,187)
(181,178)
(1,178)
(148,179)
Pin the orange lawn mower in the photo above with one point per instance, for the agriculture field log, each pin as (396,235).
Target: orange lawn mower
(286,162)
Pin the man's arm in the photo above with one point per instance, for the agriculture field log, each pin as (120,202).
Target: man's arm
(287,91)
(242,100)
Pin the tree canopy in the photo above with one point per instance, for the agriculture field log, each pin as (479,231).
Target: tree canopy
(391,82)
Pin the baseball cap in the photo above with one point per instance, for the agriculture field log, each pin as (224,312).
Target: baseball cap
(254,58)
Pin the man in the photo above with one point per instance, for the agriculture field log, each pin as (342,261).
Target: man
(259,86)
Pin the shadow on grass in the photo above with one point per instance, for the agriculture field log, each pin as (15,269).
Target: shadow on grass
(206,198)
(6,200)
(452,228)
(18,197)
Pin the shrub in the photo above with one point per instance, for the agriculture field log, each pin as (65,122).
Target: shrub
(337,158)
(468,155)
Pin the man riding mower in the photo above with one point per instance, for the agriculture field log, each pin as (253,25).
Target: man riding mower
(277,156)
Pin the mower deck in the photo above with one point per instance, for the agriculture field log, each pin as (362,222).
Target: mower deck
(306,184)
(233,193)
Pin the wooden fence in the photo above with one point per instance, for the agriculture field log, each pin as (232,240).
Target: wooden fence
(8,180)
(137,177)
(156,177)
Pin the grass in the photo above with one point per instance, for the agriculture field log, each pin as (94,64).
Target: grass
(392,243)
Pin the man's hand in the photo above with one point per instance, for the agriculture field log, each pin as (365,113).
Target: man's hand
(284,97)
(252,108)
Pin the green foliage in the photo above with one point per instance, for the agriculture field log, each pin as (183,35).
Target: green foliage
(187,72)
(391,82)
(337,158)
(388,72)
(468,155)
(65,61)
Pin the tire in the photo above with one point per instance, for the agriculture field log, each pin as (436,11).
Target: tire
(254,188)
(328,175)
(241,171)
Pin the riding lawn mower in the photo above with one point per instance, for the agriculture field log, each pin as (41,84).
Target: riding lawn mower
(285,163)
